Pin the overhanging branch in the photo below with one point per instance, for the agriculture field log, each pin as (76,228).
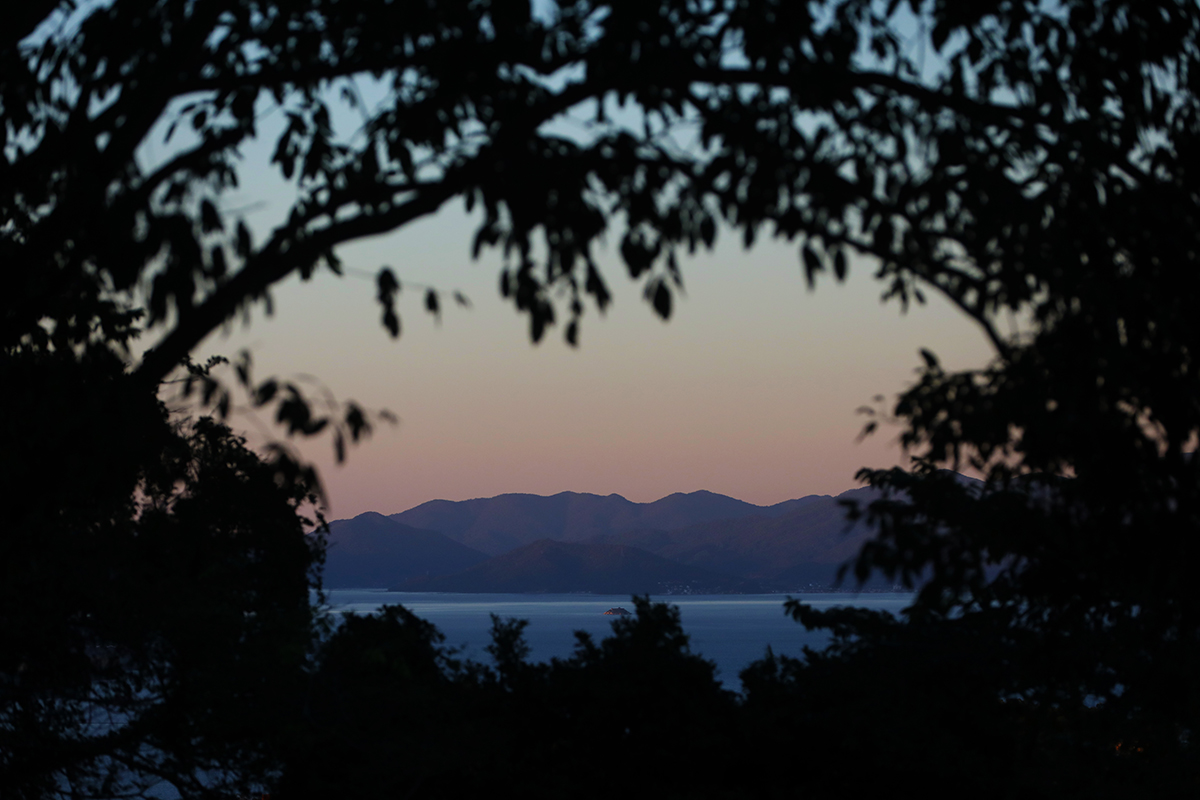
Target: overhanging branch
(274,262)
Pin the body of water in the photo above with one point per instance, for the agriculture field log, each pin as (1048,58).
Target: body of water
(729,630)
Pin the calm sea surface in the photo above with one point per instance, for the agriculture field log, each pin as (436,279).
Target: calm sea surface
(730,630)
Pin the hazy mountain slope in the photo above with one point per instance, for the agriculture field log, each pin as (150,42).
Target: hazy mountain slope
(790,545)
(681,510)
(788,506)
(809,540)
(374,551)
(498,524)
(549,566)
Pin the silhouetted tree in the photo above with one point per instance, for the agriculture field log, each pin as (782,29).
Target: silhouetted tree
(1073,205)
(157,618)
(395,714)
(964,150)
(1032,163)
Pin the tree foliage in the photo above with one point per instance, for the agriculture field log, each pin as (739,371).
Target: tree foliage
(963,150)
(888,703)
(156,611)
(1031,162)
(395,713)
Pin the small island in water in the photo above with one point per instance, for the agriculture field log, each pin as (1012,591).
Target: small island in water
(618,611)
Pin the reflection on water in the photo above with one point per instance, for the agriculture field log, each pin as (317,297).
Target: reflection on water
(730,630)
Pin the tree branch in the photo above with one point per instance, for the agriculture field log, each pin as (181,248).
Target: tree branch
(275,261)
(22,19)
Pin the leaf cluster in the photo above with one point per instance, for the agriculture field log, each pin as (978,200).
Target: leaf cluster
(1028,137)
(394,711)
(156,591)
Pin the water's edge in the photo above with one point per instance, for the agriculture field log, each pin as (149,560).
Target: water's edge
(729,630)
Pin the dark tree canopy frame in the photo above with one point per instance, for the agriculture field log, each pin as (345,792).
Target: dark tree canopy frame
(1028,161)
(966,175)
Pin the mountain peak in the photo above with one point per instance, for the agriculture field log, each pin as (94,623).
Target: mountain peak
(498,524)
(574,541)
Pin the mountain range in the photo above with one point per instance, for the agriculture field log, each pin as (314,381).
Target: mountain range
(374,551)
(549,566)
(700,542)
(499,524)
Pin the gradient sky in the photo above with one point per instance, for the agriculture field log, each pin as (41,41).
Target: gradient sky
(750,390)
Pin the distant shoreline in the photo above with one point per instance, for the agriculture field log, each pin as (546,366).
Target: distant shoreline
(772,593)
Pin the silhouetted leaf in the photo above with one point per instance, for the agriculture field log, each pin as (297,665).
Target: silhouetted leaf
(210,218)
(708,231)
(387,287)
(638,254)
(596,288)
(243,247)
(217,259)
(812,265)
(391,322)
(242,367)
(265,392)
(356,421)
(839,264)
(660,298)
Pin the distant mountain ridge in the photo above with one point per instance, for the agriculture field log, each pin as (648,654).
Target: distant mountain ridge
(803,546)
(372,551)
(552,567)
(694,542)
(498,524)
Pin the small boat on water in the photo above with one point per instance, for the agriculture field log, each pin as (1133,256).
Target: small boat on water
(618,611)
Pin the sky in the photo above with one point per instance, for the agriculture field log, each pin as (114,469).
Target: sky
(750,389)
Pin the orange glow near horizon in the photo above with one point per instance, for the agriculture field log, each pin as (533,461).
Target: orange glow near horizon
(749,390)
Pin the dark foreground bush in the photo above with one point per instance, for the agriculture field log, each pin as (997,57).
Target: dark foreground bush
(393,714)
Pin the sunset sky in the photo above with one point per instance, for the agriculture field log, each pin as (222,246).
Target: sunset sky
(750,390)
